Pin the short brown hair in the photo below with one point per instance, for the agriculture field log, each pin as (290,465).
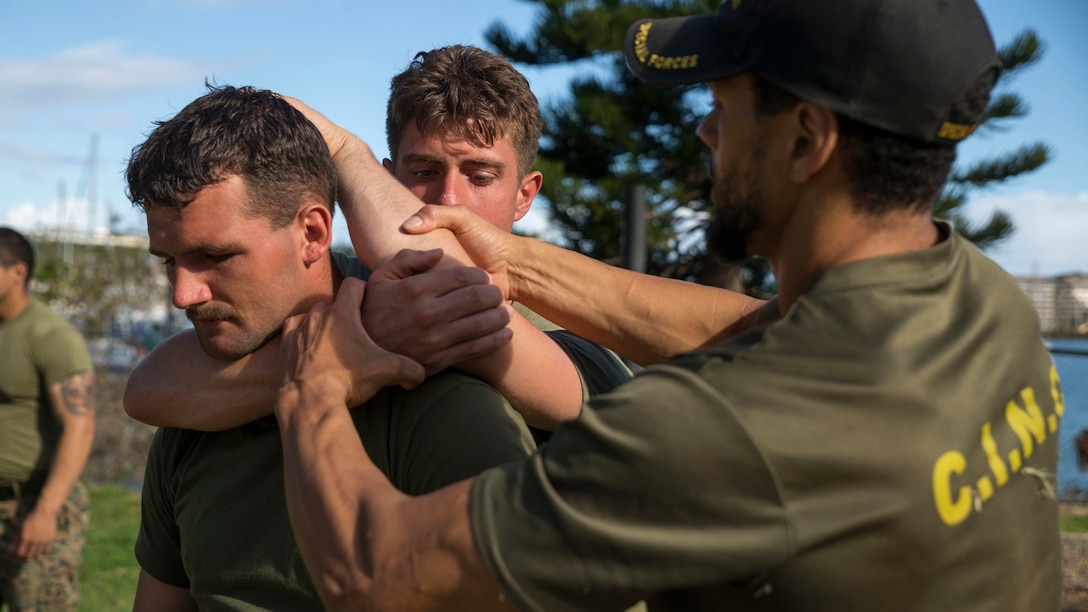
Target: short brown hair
(251,133)
(470,92)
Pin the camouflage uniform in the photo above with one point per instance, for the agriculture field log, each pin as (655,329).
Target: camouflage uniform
(49,583)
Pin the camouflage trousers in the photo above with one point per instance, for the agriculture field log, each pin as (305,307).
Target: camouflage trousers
(49,583)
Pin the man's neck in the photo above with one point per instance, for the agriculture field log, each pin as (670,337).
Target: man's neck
(14,305)
(838,235)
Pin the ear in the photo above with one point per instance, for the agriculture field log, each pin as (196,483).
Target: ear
(815,137)
(20,270)
(530,186)
(388,165)
(315,221)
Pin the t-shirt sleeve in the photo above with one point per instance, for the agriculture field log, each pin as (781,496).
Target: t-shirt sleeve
(600,369)
(462,429)
(61,353)
(158,543)
(655,487)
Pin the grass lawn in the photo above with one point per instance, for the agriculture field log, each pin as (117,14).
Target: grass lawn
(1074,523)
(109,572)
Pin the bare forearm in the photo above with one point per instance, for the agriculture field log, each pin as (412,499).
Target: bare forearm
(73,401)
(375,204)
(642,317)
(179,385)
(352,525)
(535,376)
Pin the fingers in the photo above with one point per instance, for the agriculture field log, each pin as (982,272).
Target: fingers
(463,288)
(292,323)
(32,549)
(408,263)
(478,346)
(349,298)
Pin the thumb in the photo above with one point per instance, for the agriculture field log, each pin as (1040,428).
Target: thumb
(434,216)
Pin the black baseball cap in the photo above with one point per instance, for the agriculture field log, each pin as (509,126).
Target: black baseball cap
(898,65)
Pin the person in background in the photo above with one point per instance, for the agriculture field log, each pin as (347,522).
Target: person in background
(463,128)
(888,442)
(238,190)
(47,409)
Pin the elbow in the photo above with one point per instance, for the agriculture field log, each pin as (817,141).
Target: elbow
(134,399)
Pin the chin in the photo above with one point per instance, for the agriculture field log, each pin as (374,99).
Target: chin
(219,347)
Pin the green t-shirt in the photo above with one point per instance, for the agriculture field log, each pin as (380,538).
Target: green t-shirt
(38,349)
(884,446)
(214,517)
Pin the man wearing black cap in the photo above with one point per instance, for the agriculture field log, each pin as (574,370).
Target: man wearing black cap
(888,442)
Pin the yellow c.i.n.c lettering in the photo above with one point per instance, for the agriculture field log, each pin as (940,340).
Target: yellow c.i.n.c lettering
(953,496)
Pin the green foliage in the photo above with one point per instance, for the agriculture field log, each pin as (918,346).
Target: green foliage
(98,287)
(109,571)
(615,131)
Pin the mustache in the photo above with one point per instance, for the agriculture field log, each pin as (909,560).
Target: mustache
(208,312)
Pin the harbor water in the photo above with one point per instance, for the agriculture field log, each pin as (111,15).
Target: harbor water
(1071,359)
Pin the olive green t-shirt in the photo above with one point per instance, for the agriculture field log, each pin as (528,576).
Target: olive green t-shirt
(214,517)
(38,348)
(890,444)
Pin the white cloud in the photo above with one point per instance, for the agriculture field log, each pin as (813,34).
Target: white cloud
(75,214)
(1050,232)
(99,72)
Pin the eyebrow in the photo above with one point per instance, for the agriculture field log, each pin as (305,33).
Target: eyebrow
(222,248)
(476,161)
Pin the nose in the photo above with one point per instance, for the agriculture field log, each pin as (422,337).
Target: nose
(189,288)
(451,190)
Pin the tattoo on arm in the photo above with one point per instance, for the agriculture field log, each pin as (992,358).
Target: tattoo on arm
(77,394)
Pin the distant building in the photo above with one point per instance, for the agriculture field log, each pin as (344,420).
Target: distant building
(1060,301)
(1071,303)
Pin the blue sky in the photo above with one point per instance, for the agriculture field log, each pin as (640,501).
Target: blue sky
(81,79)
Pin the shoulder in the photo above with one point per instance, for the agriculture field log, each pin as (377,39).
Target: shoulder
(55,345)
(447,390)
(451,427)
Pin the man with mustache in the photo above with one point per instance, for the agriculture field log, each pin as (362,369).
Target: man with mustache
(238,190)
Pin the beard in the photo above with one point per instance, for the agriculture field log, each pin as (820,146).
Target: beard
(739,211)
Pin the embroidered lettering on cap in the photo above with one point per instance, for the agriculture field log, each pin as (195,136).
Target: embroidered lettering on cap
(659,62)
(640,42)
(955,131)
(682,62)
